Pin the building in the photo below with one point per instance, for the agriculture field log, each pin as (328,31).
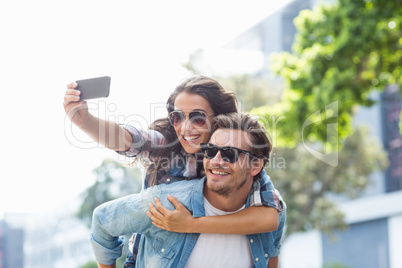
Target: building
(375,219)
(57,239)
(11,241)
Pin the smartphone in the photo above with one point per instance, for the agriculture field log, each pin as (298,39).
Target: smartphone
(93,88)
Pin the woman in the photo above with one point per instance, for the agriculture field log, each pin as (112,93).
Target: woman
(173,146)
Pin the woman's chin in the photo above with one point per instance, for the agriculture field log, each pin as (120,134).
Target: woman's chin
(191,148)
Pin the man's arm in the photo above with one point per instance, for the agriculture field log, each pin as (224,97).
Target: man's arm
(272,262)
(113,219)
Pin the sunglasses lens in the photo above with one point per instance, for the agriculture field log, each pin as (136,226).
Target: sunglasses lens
(229,155)
(198,119)
(210,152)
(176,118)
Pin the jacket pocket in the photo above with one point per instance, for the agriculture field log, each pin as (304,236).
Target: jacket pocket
(163,248)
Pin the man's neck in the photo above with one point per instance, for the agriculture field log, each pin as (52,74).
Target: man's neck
(230,203)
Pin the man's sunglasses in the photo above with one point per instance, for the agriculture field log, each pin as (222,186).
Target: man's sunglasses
(229,154)
(197,118)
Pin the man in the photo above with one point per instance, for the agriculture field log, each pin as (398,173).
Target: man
(233,160)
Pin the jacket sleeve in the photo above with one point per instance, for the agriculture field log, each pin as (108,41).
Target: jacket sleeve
(126,215)
(145,142)
(278,234)
(265,194)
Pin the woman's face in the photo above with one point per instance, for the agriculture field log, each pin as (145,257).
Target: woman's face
(190,130)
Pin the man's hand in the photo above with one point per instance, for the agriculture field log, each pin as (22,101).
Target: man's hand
(179,220)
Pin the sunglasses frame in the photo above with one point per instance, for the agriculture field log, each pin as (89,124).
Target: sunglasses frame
(205,146)
(171,119)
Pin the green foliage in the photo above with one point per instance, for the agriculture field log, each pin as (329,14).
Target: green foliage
(113,180)
(307,184)
(400,123)
(342,52)
(90,264)
(335,265)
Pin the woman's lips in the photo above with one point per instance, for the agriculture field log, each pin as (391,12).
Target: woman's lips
(190,138)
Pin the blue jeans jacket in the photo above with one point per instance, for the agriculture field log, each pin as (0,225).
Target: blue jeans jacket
(160,248)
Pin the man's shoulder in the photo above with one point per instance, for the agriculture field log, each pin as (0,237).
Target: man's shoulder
(182,185)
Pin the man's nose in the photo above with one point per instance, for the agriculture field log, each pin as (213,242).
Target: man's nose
(217,159)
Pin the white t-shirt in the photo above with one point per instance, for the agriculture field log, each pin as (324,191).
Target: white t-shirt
(220,250)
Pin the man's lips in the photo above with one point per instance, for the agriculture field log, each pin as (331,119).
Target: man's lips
(218,172)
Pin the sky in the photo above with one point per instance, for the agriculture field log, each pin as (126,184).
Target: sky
(46,162)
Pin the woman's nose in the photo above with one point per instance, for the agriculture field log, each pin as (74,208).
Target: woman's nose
(186,122)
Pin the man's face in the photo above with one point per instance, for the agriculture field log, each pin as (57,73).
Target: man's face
(223,177)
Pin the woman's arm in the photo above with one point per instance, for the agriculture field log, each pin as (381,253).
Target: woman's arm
(251,220)
(106,133)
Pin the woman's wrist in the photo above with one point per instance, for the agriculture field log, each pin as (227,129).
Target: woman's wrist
(195,225)
(90,124)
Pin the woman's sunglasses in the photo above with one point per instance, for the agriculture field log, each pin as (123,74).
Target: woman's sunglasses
(229,154)
(197,118)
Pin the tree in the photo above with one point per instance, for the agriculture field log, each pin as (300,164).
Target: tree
(308,185)
(90,264)
(113,180)
(342,52)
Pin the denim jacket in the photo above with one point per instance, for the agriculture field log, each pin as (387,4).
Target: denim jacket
(161,248)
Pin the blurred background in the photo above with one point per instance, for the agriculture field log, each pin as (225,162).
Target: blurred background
(323,76)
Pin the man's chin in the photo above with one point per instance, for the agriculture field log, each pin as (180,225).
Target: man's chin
(222,191)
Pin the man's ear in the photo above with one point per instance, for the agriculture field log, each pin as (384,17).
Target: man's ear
(256,166)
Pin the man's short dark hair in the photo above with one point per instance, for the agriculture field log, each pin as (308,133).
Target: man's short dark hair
(259,142)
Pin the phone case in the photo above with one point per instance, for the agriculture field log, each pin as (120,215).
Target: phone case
(93,88)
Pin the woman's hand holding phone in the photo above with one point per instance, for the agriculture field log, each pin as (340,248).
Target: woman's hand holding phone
(76,109)
(75,106)
(104,132)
